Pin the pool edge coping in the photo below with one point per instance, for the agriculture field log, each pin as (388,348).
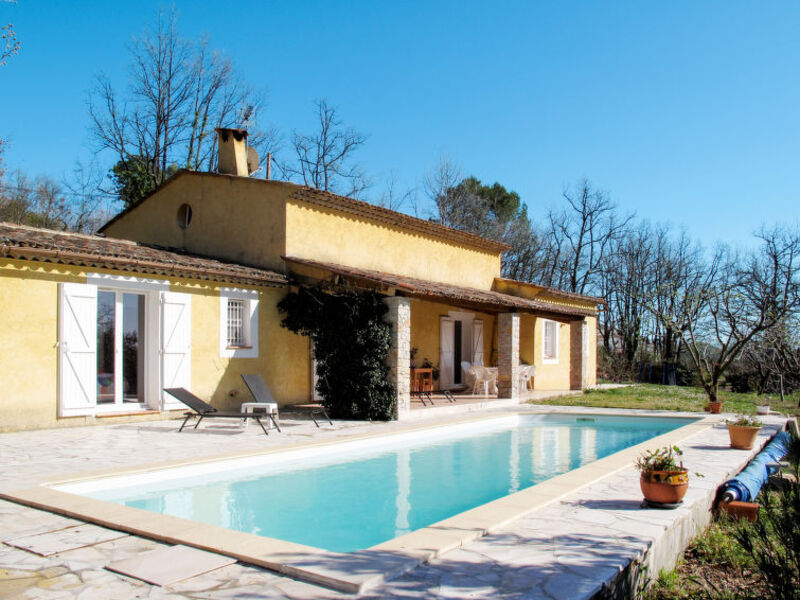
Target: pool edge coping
(353,572)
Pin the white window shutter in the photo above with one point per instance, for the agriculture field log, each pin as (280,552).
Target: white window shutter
(477,342)
(176,345)
(446,354)
(550,341)
(77,349)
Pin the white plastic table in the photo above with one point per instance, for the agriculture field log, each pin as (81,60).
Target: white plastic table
(248,408)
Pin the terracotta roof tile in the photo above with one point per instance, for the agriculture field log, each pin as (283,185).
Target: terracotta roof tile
(31,243)
(553,291)
(410,286)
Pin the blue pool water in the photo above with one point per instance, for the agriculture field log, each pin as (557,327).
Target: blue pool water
(353,499)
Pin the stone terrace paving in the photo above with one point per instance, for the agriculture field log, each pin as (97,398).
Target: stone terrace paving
(567,549)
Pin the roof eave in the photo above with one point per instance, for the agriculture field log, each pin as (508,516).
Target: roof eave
(385,285)
(67,257)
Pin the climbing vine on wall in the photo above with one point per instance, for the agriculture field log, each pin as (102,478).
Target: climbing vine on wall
(351,345)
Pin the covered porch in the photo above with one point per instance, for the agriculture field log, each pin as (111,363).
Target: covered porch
(444,330)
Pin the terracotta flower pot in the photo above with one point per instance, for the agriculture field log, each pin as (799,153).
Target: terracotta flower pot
(741,510)
(742,437)
(664,487)
(715,407)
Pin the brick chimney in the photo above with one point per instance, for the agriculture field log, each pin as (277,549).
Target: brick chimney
(232,151)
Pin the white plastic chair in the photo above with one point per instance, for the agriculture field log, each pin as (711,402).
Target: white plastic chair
(467,376)
(526,375)
(484,377)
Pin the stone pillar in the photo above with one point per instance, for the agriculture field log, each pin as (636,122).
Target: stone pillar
(577,360)
(508,355)
(399,316)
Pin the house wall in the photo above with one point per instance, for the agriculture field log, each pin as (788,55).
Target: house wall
(251,222)
(527,325)
(328,236)
(591,375)
(552,376)
(283,358)
(29,354)
(425,329)
(233,218)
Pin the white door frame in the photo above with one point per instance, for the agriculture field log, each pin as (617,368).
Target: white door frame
(152,328)
(152,343)
(466,319)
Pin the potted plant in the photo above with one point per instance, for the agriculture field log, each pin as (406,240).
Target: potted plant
(663,478)
(743,431)
(715,407)
(762,408)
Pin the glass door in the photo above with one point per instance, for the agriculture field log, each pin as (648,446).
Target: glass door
(120,348)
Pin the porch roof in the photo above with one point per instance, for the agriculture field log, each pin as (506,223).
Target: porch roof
(62,247)
(485,300)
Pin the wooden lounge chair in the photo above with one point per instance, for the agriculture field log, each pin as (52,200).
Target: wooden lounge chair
(203,410)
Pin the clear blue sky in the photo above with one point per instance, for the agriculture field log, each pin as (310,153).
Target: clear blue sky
(687,112)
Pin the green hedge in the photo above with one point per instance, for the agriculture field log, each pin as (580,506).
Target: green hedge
(351,345)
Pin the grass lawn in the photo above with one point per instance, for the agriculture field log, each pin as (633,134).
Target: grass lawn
(664,397)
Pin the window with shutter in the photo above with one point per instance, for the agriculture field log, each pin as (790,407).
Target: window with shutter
(550,342)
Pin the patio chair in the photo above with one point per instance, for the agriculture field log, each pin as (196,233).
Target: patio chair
(467,375)
(484,377)
(526,375)
(314,411)
(203,410)
(262,395)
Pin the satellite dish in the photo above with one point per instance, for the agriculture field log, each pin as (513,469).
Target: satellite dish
(252,160)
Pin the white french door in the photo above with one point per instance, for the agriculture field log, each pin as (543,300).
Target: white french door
(120,343)
(121,348)
(460,341)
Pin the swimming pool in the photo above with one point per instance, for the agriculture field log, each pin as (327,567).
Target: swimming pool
(353,495)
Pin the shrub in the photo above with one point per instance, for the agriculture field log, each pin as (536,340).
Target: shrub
(667,458)
(744,421)
(773,541)
(351,346)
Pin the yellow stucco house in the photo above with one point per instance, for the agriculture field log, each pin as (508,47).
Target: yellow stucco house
(181,291)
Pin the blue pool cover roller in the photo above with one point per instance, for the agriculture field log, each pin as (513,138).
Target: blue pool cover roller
(746,485)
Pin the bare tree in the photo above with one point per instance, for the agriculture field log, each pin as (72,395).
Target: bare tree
(584,232)
(524,261)
(676,272)
(393,198)
(179,92)
(74,204)
(735,300)
(39,202)
(9,44)
(324,159)
(88,207)
(627,274)
(2,168)
(770,363)
(443,176)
